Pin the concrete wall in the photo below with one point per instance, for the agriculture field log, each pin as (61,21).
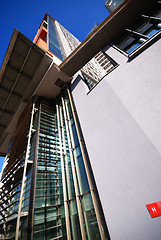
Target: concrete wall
(121,123)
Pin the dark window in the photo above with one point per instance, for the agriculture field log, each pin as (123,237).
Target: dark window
(146,27)
(106,63)
(90,83)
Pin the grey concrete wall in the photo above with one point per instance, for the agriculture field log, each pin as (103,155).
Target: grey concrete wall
(120,120)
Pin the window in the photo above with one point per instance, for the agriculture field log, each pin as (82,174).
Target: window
(146,27)
(93,72)
(90,83)
(54,43)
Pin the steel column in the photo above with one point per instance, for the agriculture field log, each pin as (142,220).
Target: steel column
(24,174)
(33,181)
(92,188)
(71,148)
(63,178)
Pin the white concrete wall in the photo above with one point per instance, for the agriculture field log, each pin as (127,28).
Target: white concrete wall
(121,123)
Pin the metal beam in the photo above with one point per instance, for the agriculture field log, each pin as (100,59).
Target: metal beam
(6,111)
(8,90)
(153,19)
(137,34)
(19,71)
(16,80)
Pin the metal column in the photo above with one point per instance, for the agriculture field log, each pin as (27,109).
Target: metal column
(24,173)
(78,200)
(33,181)
(92,189)
(63,179)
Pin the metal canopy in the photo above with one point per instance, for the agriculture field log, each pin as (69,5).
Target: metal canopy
(16,75)
(26,71)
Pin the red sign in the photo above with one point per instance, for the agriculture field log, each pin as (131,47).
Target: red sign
(154,209)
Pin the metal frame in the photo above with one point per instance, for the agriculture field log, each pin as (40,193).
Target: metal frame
(33,182)
(71,148)
(24,173)
(92,188)
(67,219)
(15,82)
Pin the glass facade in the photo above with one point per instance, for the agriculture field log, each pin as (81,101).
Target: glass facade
(53,40)
(56,197)
(12,182)
(146,27)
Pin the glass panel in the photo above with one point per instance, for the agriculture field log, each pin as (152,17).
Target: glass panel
(128,42)
(74,220)
(23,228)
(141,26)
(75,136)
(82,176)
(89,82)
(49,215)
(10,230)
(124,40)
(150,32)
(49,191)
(54,45)
(158,15)
(132,47)
(90,218)
(39,235)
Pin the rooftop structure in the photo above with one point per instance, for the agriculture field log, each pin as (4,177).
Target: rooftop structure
(112,5)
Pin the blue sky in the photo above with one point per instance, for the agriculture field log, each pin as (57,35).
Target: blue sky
(78,17)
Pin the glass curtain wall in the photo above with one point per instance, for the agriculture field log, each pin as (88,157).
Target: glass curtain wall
(53,40)
(63,204)
(46,193)
(12,182)
(146,27)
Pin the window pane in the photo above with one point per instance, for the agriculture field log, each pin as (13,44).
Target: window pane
(153,30)
(132,47)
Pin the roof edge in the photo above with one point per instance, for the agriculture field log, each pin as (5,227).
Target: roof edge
(8,52)
(95,31)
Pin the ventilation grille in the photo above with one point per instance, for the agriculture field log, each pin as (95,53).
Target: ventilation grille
(60,83)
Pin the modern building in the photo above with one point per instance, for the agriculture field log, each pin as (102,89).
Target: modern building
(80,128)
(112,5)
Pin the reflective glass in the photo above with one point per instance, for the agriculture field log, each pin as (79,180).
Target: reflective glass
(90,218)
(54,45)
(74,220)
(49,215)
(153,30)
(133,47)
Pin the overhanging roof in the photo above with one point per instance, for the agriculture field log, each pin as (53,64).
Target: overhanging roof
(21,61)
(105,33)
(26,71)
